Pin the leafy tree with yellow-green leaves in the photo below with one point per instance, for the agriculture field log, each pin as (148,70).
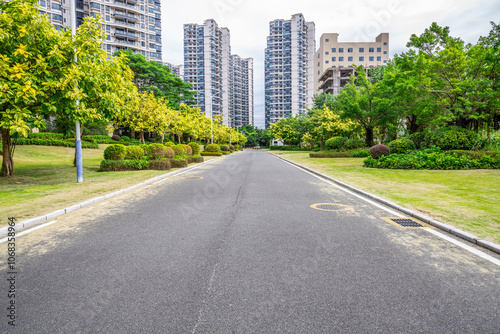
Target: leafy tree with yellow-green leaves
(39,78)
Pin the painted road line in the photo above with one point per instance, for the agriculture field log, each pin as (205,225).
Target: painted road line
(434,232)
(20,234)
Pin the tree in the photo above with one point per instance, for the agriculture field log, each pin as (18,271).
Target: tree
(286,129)
(158,78)
(325,123)
(38,76)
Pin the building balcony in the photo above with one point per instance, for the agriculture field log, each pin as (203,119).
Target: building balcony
(127,6)
(126,16)
(129,35)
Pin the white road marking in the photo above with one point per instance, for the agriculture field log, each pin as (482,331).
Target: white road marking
(396,214)
(20,234)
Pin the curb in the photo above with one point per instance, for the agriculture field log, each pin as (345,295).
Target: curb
(36,220)
(450,229)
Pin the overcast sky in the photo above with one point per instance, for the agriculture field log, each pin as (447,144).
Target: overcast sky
(354,20)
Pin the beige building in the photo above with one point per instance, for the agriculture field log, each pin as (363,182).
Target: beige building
(336,59)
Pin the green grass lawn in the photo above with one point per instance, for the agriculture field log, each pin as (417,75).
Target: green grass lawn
(45,181)
(467,199)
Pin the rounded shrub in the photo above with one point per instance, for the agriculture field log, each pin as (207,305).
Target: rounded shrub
(453,138)
(156,151)
(115,137)
(231,147)
(418,138)
(379,150)
(195,148)
(134,153)
(125,138)
(170,144)
(188,149)
(335,143)
(169,152)
(354,143)
(401,146)
(179,149)
(224,148)
(115,152)
(212,148)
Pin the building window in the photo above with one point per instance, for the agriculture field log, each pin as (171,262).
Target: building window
(334,58)
(341,49)
(108,18)
(385,61)
(95,5)
(42,3)
(371,58)
(326,53)
(108,28)
(319,55)
(318,64)
(361,58)
(349,49)
(379,49)
(327,40)
(334,49)
(379,58)
(326,62)
(385,52)
(109,47)
(349,58)
(385,43)
(341,58)
(361,49)
(56,17)
(56,6)
(371,50)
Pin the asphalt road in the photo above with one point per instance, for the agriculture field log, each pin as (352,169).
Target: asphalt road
(235,247)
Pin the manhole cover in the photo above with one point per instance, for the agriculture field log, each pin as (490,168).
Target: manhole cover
(404,222)
(331,207)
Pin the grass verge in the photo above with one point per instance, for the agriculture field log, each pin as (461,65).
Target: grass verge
(466,199)
(45,181)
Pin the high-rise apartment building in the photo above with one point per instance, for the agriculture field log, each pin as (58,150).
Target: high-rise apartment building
(241,91)
(178,70)
(289,68)
(335,61)
(208,67)
(129,24)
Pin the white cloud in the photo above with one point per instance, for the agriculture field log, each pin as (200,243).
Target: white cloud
(248,22)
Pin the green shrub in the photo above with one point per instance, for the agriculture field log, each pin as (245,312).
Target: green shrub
(123,165)
(211,154)
(195,148)
(134,153)
(46,135)
(476,154)
(361,153)
(288,148)
(231,147)
(195,159)
(433,159)
(163,164)
(326,154)
(156,151)
(452,138)
(99,139)
(335,143)
(169,152)
(418,138)
(53,142)
(379,150)
(353,143)
(225,152)
(212,148)
(188,149)
(115,152)
(170,144)
(178,163)
(179,150)
(224,148)
(124,138)
(403,145)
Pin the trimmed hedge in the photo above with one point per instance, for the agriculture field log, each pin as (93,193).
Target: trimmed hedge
(115,152)
(179,149)
(46,135)
(224,148)
(288,148)
(169,152)
(195,160)
(188,149)
(53,142)
(335,143)
(452,138)
(156,151)
(100,139)
(211,154)
(178,163)
(225,152)
(354,143)
(163,164)
(403,145)
(212,148)
(134,153)
(434,159)
(361,153)
(115,137)
(123,165)
(326,154)
(195,147)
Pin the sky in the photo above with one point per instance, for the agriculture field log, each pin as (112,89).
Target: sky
(354,21)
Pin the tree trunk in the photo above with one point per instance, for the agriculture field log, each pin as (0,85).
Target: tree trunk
(162,138)
(142,137)
(7,152)
(369,137)
(321,143)
(179,138)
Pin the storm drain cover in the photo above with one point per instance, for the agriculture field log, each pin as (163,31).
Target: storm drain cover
(406,222)
(331,207)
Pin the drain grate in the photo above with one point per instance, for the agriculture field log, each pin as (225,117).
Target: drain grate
(406,222)
(331,207)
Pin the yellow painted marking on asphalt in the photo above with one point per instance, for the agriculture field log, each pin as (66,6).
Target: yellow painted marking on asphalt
(346,207)
(388,219)
(194,177)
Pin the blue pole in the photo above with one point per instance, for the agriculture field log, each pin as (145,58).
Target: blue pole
(79,160)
